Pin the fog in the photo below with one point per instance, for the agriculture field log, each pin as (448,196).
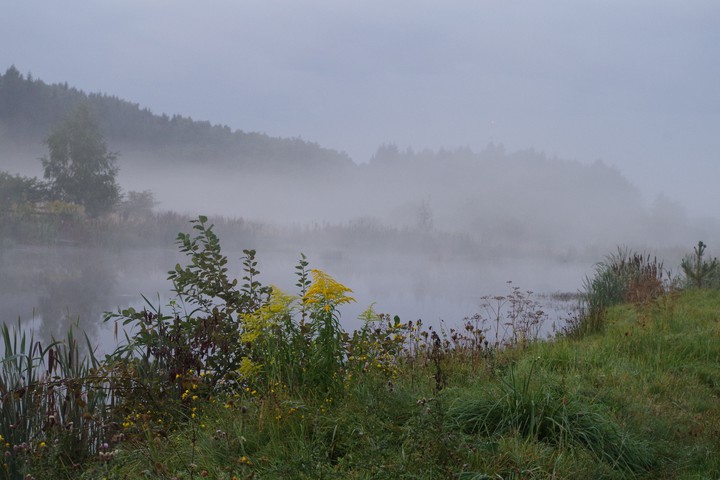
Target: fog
(424,235)
(634,84)
(490,142)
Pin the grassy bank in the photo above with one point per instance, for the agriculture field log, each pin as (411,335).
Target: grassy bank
(640,400)
(236,380)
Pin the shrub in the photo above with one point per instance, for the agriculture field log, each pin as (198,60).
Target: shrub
(235,337)
(180,355)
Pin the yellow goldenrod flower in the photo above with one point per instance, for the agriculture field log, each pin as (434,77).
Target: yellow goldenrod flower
(326,292)
(259,321)
(248,368)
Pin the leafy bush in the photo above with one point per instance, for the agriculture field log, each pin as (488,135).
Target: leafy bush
(234,338)
(180,355)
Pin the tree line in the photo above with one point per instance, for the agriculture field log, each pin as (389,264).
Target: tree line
(30,107)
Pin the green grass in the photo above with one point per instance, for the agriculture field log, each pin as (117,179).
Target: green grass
(255,383)
(639,400)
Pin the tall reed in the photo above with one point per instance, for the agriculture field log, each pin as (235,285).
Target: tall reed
(624,276)
(54,404)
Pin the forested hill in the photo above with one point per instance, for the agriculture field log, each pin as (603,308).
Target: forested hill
(522,198)
(30,108)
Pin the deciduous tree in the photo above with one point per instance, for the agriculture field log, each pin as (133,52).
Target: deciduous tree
(79,167)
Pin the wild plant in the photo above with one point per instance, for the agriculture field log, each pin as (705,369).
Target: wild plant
(171,357)
(379,346)
(278,347)
(55,405)
(548,413)
(625,276)
(297,342)
(470,345)
(699,272)
(509,321)
(233,338)
(323,297)
(517,318)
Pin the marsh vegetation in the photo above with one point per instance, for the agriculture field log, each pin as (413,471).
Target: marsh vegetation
(235,379)
(126,357)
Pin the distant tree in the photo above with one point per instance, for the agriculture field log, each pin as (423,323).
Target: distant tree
(18,190)
(79,167)
(424,216)
(137,204)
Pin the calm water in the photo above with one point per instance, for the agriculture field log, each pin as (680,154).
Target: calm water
(51,288)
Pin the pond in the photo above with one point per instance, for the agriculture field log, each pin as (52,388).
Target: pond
(49,288)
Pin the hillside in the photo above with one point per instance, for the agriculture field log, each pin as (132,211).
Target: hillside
(30,108)
(525,201)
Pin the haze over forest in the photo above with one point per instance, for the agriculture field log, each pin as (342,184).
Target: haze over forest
(456,196)
(633,84)
(523,198)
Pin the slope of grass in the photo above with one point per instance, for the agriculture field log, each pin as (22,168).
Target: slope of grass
(640,400)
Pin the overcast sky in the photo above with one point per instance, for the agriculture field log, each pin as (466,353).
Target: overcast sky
(635,83)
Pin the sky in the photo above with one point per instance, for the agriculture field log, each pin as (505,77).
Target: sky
(634,83)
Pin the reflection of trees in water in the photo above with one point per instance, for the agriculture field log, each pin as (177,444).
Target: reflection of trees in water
(75,289)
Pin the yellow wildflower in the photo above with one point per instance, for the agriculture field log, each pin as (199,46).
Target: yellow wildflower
(326,292)
(257,322)
(369,315)
(248,368)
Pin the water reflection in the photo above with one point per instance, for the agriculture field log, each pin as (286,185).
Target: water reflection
(53,288)
(74,290)
(50,289)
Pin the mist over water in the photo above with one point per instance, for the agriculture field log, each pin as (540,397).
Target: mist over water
(52,288)
(422,236)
